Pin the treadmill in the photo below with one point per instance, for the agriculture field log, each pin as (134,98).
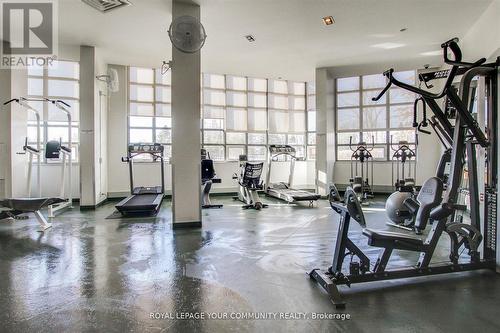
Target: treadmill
(143,200)
(285,191)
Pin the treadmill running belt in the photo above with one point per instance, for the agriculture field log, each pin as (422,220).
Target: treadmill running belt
(142,200)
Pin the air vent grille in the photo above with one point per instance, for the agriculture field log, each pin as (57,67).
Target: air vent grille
(105,6)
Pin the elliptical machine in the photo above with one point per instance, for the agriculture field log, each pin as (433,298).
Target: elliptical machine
(249,183)
(361,183)
(208,177)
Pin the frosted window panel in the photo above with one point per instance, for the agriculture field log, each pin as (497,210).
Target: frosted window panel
(236,83)
(257,100)
(407,77)
(233,153)
(277,139)
(56,114)
(311,152)
(374,81)
(375,137)
(163,94)
(35,87)
(344,138)
(300,152)
(297,103)
(163,110)
(167,152)
(165,78)
(378,153)
(257,153)
(216,152)
(141,121)
(347,99)
(374,117)
(311,88)
(278,102)
(141,136)
(64,88)
(56,133)
(38,106)
(368,95)
(401,116)
(164,136)
(141,109)
(213,137)
(236,99)
(401,96)
(66,69)
(311,121)
(213,124)
(257,119)
(214,97)
(296,139)
(213,112)
(141,75)
(408,136)
(236,138)
(278,86)
(311,102)
(347,119)
(163,122)
(35,70)
(141,93)
(257,138)
(311,138)
(257,84)
(214,81)
(32,134)
(278,121)
(236,119)
(297,122)
(344,153)
(348,83)
(297,88)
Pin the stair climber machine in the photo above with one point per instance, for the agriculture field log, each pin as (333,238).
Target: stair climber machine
(208,177)
(285,191)
(143,200)
(362,178)
(473,241)
(249,183)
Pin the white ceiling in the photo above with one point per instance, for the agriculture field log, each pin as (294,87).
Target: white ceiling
(291,39)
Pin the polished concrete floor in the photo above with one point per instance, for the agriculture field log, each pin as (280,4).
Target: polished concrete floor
(92,274)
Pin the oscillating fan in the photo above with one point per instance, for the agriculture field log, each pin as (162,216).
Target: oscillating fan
(187,34)
(111,80)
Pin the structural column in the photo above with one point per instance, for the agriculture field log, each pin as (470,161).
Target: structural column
(186,76)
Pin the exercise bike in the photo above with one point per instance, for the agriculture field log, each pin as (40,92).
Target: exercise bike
(249,184)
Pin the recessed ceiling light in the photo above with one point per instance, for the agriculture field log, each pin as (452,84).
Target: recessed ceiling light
(388,46)
(250,38)
(328,20)
(403,29)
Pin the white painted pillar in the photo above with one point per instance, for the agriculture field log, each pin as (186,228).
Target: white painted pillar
(186,77)
(325,130)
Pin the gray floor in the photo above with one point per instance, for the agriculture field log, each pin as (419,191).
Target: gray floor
(89,273)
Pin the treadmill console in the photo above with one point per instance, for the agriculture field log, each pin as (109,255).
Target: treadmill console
(146,148)
(282,149)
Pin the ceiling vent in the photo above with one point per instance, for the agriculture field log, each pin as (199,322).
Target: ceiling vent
(105,6)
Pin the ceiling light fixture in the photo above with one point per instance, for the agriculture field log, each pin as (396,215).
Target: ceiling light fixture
(432,53)
(388,46)
(250,38)
(403,29)
(328,20)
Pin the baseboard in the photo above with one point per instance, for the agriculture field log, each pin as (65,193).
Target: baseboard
(186,225)
(93,207)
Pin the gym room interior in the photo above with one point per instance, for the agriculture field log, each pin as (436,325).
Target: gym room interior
(250,166)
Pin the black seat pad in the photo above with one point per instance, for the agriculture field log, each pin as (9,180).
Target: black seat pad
(29,204)
(396,240)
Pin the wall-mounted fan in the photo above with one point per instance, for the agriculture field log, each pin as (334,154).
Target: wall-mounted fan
(187,34)
(111,79)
